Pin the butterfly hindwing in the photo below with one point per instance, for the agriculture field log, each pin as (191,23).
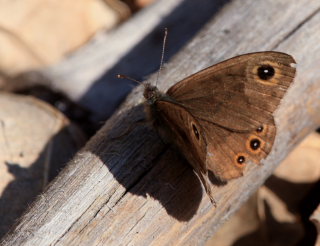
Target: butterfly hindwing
(228,151)
(177,125)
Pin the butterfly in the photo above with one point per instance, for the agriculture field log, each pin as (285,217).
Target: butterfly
(221,118)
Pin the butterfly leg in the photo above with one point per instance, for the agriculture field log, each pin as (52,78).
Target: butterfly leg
(206,184)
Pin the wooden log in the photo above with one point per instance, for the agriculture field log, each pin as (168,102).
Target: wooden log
(126,188)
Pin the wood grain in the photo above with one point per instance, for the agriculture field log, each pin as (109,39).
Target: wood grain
(126,188)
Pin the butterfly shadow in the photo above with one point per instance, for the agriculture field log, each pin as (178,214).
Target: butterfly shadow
(214,180)
(147,166)
(141,162)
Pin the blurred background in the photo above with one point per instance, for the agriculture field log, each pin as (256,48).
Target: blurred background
(58,66)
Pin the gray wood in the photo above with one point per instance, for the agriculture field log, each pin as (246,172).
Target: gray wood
(126,188)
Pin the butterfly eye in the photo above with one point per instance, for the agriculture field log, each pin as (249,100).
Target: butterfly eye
(255,144)
(260,129)
(266,72)
(195,131)
(241,159)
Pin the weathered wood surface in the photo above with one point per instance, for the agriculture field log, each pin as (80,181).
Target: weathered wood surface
(132,190)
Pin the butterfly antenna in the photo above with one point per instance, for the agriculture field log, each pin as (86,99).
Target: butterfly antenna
(121,76)
(162,53)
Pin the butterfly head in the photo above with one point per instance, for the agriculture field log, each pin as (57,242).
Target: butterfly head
(151,93)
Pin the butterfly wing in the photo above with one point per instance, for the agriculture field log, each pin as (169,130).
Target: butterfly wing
(236,94)
(228,151)
(233,103)
(177,125)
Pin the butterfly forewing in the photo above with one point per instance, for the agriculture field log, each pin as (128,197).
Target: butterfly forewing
(231,94)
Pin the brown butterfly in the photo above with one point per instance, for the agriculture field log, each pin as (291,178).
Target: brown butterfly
(222,117)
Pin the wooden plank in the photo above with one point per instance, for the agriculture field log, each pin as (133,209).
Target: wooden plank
(126,188)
